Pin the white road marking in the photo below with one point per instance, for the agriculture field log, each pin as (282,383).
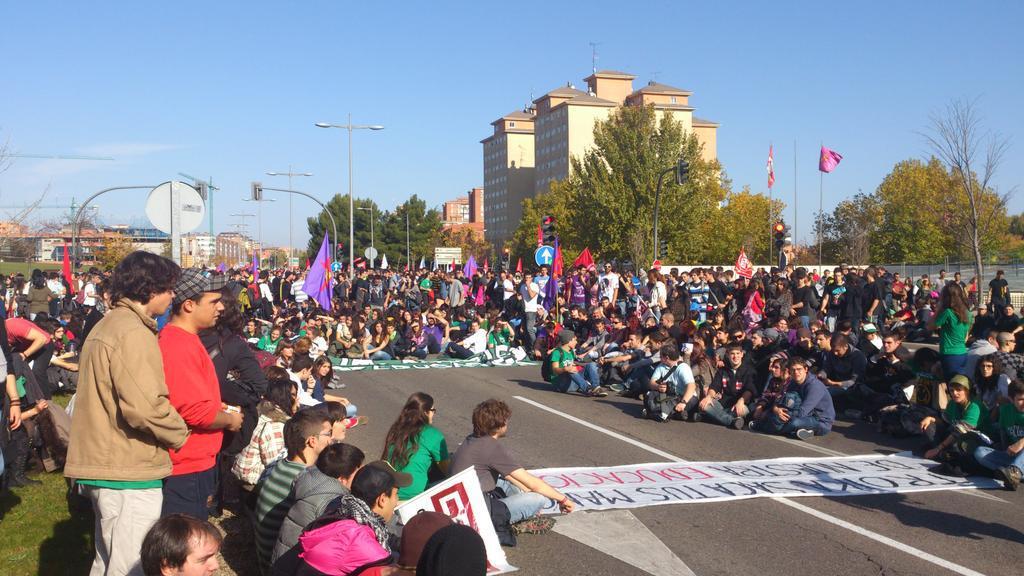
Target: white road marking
(786,501)
(879,538)
(596,428)
(621,535)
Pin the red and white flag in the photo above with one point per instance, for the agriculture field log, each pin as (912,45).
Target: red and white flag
(771,167)
(743,266)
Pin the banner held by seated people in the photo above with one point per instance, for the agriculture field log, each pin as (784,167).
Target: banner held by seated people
(638,485)
(492,358)
(461,499)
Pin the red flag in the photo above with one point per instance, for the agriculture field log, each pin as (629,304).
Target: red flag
(519,265)
(307,263)
(556,268)
(743,266)
(828,160)
(584,259)
(540,237)
(487,265)
(771,167)
(67,270)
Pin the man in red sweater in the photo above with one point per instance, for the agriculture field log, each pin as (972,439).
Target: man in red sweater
(194,393)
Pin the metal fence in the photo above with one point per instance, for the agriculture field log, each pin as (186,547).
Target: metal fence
(1014,269)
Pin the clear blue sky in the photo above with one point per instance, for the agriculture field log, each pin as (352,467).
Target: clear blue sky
(232,89)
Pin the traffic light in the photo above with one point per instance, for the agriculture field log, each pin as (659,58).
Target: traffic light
(663,249)
(779,234)
(257,191)
(682,172)
(547,228)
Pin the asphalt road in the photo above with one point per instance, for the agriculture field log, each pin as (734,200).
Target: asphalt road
(971,531)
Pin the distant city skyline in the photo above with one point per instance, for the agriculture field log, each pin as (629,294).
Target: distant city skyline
(215,90)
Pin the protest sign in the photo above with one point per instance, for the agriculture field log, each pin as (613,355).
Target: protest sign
(638,485)
(461,499)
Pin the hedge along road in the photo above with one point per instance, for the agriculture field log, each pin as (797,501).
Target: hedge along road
(965,532)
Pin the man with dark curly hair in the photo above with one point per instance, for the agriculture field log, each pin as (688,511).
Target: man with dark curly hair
(124,423)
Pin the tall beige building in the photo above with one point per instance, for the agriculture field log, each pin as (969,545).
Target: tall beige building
(508,172)
(561,127)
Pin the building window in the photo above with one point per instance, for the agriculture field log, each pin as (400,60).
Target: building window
(511,124)
(673,99)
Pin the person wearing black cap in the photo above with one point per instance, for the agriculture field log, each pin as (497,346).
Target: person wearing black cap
(194,392)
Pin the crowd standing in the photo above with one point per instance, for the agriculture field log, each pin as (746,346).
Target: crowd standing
(195,390)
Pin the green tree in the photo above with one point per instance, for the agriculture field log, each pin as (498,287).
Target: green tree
(338,206)
(114,249)
(424,225)
(851,229)
(741,222)
(607,202)
(909,231)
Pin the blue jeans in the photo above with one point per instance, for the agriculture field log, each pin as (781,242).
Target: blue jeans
(583,381)
(381,355)
(994,459)
(718,413)
(189,493)
(953,364)
(521,505)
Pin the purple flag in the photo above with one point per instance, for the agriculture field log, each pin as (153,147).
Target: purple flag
(470,268)
(319,283)
(222,267)
(828,160)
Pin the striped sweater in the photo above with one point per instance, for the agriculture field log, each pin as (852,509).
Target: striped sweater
(275,499)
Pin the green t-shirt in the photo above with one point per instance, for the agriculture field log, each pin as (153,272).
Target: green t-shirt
(970,414)
(563,359)
(431,448)
(1011,423)
(952,333)
(502,338)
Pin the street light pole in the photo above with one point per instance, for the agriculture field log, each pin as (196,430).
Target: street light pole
(334,225)
(351,205)
(289,174)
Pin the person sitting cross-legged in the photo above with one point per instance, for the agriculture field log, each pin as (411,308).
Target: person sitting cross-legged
(804,411)
(673,391)
(1007,463)
(569,376)
(731,392)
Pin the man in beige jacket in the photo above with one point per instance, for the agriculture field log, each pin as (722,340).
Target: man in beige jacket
(123,423)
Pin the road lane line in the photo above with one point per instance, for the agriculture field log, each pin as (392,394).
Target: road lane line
(605,431)
(806,509)
(917,552)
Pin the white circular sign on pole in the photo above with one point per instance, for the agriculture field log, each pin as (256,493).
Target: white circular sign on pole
(370,253)
(158,207)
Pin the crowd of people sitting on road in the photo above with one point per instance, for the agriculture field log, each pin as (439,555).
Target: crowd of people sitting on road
(195,390)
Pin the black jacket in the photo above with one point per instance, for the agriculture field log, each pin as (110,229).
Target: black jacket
(732,384)
(242,382)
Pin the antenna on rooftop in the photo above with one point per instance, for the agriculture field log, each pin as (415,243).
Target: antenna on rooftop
(593,56)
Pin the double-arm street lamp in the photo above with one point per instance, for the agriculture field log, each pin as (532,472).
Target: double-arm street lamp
(351,208)
(290,174)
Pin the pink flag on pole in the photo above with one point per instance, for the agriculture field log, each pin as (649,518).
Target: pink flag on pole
(829,160)
(771,167)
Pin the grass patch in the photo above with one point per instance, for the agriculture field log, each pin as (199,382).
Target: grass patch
(40,536)
(26,268)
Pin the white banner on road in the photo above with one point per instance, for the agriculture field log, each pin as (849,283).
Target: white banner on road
(640,485)
(461,499)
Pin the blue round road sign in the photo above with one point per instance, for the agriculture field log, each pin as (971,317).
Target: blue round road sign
(336,266)
(544,256)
